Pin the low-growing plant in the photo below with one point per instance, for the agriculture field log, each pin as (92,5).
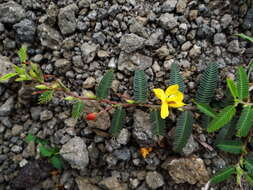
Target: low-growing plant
(172,97)
(51,153)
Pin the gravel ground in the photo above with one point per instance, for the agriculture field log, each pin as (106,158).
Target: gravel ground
(78,41)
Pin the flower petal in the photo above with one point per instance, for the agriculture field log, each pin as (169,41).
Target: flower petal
(176,104)
(178,96)
(159,93)
(164,110)
(171,89)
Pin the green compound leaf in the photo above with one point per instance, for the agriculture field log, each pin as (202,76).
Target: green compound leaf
(232,88)
(117,121)
(223,175)
(208,83)
(157,122)
(245,122)
(7,76)
(183,130)
(249,178)
(176,77)
(22,53)
(46,152)
(57,162)
(231,146)
(77,109)
(103,88)
(248,163)
(222,119)
(46,97)
(140,86)
(242,83)
(30,138)
(206,109)
(245,37)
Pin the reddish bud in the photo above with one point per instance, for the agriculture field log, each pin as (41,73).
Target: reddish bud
(39,92)
(91,116)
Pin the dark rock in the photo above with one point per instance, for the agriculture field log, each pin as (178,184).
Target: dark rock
(49,37)
(122,154)
(99,37)
(248,22)
(220,39)
(131,42)
(168,21)
(6,108)
(67,19)
(25,30)
(31,174)
(11,12)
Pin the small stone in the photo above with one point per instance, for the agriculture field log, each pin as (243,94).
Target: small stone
(112,63)
(89,52)
(135,61)
(99,38)
(16,149)
(226,21)
(154,180)
(76,153)
(193,14)
(122,154)
(169,6)
(49,37)
(16,130)
(234,47)
(67,19)
(186,46)
(102,54)
(89,83)
(23,162)
(46,115)
(62,65)
(113,183)
(220,39)
(7,107)
(181,6)
(70,122)
(131,42)
(35,113)
(139,29)
(25,30)
(163,52)
(6,67)
(85,183)
(195,51)
(191,170)
(168,21)
(123,137)
(190,147)
(156,67)
(155,38)
(29,150)
(11,12)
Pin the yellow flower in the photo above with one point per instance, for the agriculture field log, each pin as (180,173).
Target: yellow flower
(172,97)
(145,151)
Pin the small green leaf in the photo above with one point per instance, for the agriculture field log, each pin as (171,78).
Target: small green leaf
(103,88)
(232,88)
(231,146)
(157,122)
(245,122)
(46,96)
(245,37)
(222,119)
(22,53)
(41,141)
(77,109)
(140,86)
(57,162)
(7,76)
(242,83)
(19,70)
(30,138)
(42,87)
(222,175)
(70,98)
(249,178)
(183,130)
(176,77)
(117,121)
(46,152)
(206,109)
(248,163)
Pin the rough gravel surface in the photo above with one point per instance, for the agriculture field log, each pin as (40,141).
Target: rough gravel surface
(78,41)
